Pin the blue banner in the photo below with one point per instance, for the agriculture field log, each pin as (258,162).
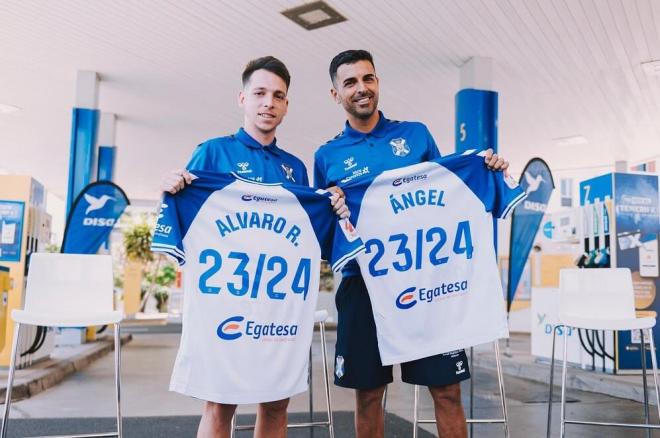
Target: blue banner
(92,217)
(537,182)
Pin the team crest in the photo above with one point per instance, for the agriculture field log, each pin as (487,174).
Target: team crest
(288,172)
(399,147)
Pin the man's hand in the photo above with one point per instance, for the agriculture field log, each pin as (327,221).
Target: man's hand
(495,162)
(338,202)
(176,180)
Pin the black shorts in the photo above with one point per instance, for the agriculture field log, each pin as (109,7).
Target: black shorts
(357,360)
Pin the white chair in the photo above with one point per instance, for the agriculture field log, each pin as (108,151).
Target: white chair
(600,299)
(500,380)
(68,290)
(320,318)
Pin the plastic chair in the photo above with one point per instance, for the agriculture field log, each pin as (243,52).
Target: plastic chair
(320,318)
(68,290)
(500,380)
(600,299)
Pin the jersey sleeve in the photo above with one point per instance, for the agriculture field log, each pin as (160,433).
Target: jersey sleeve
(337,238)
(202,158)
(508,194)
(167,236)
(345,246)
(319,173)
(499,194)
(432,148)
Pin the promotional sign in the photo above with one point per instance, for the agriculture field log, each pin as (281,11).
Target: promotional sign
(537,182)
(92,217)
(11,230)
(637,220)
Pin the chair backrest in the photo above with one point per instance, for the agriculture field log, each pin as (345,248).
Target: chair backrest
(604,293)
(69,284)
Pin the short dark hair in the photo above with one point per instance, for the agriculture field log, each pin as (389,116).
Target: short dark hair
(269,63)
(348,57)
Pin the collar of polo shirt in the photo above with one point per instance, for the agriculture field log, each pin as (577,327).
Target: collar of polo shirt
(248,141)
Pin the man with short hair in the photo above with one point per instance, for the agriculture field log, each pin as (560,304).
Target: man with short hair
(368,145)
(251,153)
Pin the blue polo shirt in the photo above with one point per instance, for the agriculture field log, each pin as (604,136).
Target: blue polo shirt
(353,154)
(246,157)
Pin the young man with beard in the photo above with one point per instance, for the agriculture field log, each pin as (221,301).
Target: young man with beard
(370,144)
(251,153)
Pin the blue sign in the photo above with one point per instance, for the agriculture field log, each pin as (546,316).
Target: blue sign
(11,230)
(537,182)
(92,217)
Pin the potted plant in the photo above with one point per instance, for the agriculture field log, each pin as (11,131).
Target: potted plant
(137,246)
(164,278)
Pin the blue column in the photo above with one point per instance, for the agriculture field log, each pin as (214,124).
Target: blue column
(82,153)
(476,119)
(106,167)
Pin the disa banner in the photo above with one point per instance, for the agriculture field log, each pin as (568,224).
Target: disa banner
(93,215)
(537,182)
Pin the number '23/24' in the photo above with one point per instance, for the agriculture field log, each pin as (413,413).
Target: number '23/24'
(245,284)
(416,256)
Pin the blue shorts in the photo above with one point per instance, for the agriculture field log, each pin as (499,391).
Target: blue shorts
(357,360)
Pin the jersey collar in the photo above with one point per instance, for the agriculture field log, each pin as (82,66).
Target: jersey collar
(378,131)
(245,138)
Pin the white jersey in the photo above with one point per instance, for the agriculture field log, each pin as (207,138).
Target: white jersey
(251,254)
(430,265)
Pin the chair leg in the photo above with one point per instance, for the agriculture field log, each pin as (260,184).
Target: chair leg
(326,380)
(118,377)
(416,411)
(552,378)
(310,392)
(10,380)
(500,381)
(562,409)
(654,364)
(232,434)
(642,349)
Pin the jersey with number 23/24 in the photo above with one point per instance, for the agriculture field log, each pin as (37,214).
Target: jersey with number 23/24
(430,265)
(251,254)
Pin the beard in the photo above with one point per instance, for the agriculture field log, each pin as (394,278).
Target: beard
(362,113)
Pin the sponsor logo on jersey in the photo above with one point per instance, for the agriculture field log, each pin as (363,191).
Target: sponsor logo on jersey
(233,328)
(406,299)
(350,163)
(399,147)
(230,328)
(409,179)
(244,167)
(258,198)
(339,367)
(348,229)
(288,172)
(356,174)
(460,367)
(163,206)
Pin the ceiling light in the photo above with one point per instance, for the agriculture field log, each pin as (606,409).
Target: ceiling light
(651,68)
(572,140)
(6,109)
(314,15)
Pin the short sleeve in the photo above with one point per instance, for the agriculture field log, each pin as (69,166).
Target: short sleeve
(319,173)
(346,244)
(432,148)
(201,159)
(167,236)
(508,194)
